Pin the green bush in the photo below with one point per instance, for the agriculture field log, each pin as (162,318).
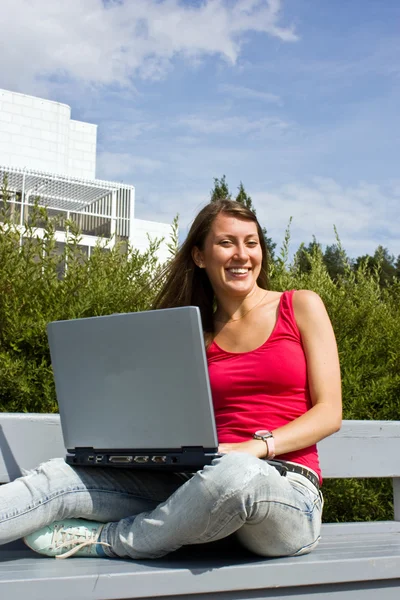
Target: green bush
(39,284)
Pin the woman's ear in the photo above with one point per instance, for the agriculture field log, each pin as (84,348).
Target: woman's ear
(197,256)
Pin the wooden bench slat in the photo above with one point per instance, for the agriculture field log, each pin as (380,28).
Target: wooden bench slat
(356,450)
(26,440)
(102,578)
(356,455)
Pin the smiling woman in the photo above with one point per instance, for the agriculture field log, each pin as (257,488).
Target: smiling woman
(225,250)
(275,382)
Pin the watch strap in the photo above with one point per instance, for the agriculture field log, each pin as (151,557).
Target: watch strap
(270,447)
(268,438)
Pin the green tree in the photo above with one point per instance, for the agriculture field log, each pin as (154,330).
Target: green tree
(302,257)
(220,190)
(271,245)
(397,267)
(244,198)
(335,261)
(382,262)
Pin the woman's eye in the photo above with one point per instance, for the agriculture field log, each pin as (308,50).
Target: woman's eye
(225,242)
(252,243)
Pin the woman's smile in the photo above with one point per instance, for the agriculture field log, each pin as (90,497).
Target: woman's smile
(238,272)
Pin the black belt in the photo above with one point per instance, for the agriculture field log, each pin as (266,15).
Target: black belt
(284,467)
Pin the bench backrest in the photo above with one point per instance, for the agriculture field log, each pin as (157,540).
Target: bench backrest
(360,449)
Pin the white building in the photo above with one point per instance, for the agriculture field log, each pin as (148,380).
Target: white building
(46,154)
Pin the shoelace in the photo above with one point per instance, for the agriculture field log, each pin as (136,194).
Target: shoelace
(89,540)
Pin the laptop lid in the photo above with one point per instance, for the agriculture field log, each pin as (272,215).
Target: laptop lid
(134,380)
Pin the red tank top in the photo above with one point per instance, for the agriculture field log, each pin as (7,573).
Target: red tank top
(265,388)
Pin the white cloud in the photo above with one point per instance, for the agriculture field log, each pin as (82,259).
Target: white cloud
(112,43)
(123,131)
(232,125)
(125,166)
(163,206)
(365,215)
(246,93)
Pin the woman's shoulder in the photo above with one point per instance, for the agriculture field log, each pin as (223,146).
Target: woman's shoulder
(306,299)
(308,307)
(299,298)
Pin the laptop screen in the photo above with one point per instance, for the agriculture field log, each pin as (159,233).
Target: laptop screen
(134,380)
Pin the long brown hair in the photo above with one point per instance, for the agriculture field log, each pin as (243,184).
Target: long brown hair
(185,284)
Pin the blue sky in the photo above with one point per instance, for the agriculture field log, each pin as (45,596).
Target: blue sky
(298,99)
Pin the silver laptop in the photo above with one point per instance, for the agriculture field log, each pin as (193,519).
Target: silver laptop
(133,390)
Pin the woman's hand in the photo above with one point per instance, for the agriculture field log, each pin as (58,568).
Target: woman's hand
(257,448)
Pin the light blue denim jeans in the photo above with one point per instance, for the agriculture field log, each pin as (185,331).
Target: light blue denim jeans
(148,515)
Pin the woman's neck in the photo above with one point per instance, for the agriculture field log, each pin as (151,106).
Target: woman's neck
(231,309)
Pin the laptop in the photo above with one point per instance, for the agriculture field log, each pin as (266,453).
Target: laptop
(133,390)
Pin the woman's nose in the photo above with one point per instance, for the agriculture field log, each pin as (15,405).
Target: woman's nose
(241,252)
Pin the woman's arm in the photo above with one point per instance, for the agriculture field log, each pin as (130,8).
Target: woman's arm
(323,372)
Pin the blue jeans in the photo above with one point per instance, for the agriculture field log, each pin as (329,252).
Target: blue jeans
(148,515)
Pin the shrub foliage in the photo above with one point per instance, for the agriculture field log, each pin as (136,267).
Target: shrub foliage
(38,284)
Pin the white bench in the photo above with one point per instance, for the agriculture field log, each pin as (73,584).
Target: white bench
(353,560)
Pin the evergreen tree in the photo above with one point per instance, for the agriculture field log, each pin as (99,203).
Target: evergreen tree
(244,198)
(220,190)
(334,261)
(271,245)
(381,261)
(301,258)
(397,267)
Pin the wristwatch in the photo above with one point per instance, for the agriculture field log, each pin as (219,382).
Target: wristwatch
(267,437)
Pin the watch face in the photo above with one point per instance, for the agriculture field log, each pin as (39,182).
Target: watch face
(264,432)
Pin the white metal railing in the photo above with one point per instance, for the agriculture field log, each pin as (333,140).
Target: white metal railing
(92,204)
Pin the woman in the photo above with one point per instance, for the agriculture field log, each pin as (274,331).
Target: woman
(275,381)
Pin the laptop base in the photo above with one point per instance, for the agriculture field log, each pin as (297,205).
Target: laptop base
(182,459)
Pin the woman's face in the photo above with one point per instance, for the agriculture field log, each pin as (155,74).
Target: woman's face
(232,255)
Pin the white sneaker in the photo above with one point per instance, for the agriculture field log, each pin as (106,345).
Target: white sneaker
(72,537)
